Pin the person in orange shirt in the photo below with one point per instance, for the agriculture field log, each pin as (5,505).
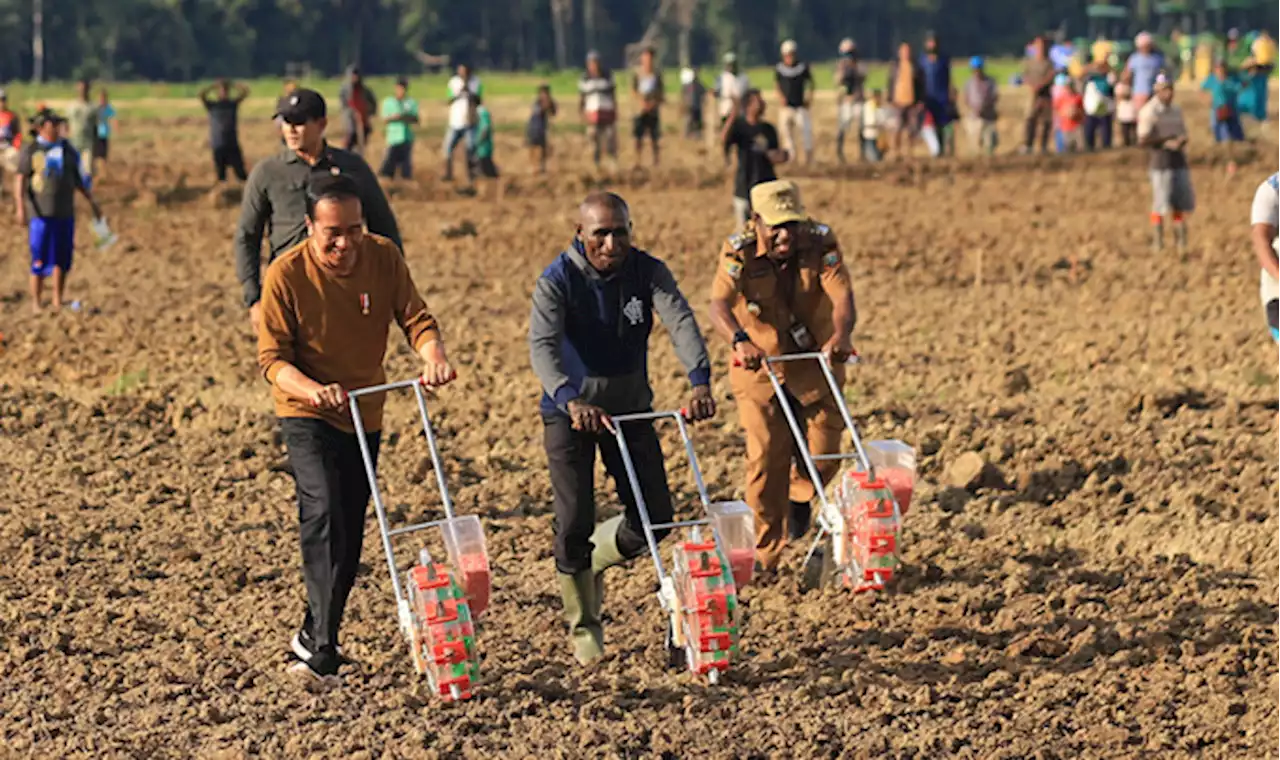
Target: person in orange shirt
(10,135)
(327,304)
(1068,112)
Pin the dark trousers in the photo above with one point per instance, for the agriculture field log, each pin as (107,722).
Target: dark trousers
(398,157)
(1097,132)
(333,493)
(571,456)
(1129,133)
(228,157)
(1041,117)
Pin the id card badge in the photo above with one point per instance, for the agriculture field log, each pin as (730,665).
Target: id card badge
(800,334)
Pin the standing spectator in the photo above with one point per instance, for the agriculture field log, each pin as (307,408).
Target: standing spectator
(758,151)
(794,83)
(731,87)
(981,96)
(1264,52)
(327,305)
(598,105)
(1162,129)
(1037,76)
(693,96)
(1101,49)
(463,85)
(1068,110)
(1254,93)
(1236,51)
(870,122)
(1264,219)
(650,94)
(1061,52)
(358,106)
(106,115)
(1126,110)
(1145,64)
(850,80)
(224,137)
(44,192)
(1223,88)
(935,68)
(400,112)
(906,93)
(82,126)
(480,160)
(275,197)
(10,135)
(1099,106)
(537,132)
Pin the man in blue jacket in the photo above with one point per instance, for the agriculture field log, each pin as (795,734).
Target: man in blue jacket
(589,342)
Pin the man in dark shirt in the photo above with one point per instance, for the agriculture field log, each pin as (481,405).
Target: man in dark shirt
(44,192)
(224,139)
(794,83)
(935,66)
(275,195)
(758,151)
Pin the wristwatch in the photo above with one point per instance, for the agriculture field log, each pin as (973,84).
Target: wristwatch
(741,337)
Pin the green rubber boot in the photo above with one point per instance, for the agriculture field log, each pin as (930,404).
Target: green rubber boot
(579,593)
(1157,236)
(605,540)
(1180,236)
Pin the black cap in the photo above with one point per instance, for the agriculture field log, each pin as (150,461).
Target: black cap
(402,81)
(301,106)
(46,116)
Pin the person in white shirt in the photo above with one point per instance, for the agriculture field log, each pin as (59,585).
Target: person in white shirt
(598,104)
(871,119)
(1265,219)
(463,86)
(730,88)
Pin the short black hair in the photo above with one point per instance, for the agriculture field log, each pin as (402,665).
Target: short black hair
(326,185)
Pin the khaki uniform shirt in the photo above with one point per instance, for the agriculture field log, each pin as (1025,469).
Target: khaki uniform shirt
(768,297)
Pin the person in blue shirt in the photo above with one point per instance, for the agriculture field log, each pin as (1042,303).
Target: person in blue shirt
(106,119)
(936,69)
(593,311)
(1145,64)
(1223,88)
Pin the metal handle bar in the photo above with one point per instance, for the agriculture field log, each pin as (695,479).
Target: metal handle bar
(380,508)
(634,480)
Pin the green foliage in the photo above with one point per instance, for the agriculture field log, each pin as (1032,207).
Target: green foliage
(182,40)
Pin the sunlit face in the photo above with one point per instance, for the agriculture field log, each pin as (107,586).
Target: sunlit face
(336,228)
(401,91)
(904,52)
(593,67)
(605,232)
(646,59)
(49,131)
(778,239)
(1165,94)
(305,136)
(789,59)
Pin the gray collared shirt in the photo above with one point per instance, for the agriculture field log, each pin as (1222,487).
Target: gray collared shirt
(275,201)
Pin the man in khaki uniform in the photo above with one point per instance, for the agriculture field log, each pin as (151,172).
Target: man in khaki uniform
(781,287)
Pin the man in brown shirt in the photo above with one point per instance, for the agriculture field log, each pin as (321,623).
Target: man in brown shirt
(327,305)
(782,288)
(1037,77)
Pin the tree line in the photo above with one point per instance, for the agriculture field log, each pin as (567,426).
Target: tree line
(183,40)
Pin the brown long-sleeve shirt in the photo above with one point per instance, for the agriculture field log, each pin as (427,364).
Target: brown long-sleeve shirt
(334,329)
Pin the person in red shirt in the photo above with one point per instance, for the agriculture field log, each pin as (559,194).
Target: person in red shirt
(10,136)
(1068,111)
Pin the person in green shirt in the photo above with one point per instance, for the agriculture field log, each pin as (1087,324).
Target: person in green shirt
(400,112)
(482,142)
(82,130)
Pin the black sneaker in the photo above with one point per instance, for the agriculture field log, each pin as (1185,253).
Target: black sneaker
(320,674)
(304,648)
(801,513)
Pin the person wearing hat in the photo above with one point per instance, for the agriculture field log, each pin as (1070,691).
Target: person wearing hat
(598,105)
(1037,77)
(1144,63)
(275,198)
(730,88)
(44,190)
(693,95)
(400,112)
(782,287)
(594,308)
(358,106)
(327,305)
(224,133)
(981,98)
(1162,129)
(793,81)
(850,79)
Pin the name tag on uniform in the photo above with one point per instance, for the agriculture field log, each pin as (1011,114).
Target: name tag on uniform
(364,304)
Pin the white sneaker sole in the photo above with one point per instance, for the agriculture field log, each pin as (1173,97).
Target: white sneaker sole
(311,679)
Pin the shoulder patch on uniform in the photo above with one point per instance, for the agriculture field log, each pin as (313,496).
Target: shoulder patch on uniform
(831,259)
(733,267)
(740,240)
(821,229)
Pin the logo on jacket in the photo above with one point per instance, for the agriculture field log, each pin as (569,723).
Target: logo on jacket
(634,311)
